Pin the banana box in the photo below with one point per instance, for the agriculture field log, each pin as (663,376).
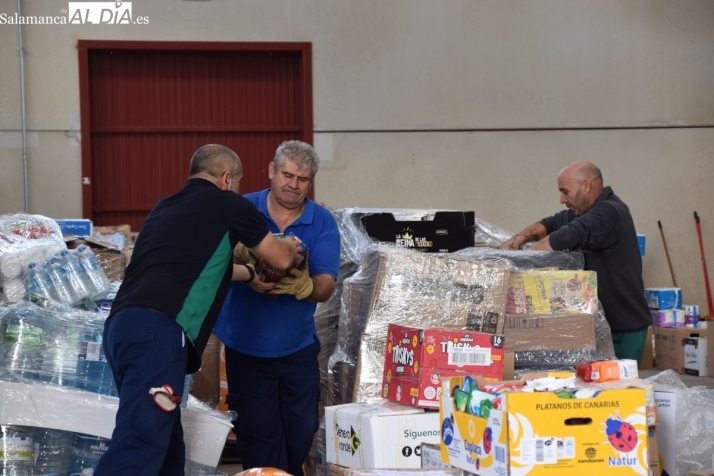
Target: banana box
(378,435)
(538,433)
(417,359)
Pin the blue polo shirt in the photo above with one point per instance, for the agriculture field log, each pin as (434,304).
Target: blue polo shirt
(261,325)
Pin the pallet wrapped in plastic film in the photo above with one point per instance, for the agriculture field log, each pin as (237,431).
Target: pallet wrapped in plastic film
(419,290)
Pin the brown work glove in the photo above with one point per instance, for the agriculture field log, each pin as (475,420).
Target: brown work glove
(244,255)
(297,282)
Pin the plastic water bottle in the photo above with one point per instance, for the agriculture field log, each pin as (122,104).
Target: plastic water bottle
(60,281)
(93,372)
(17,451)
(38,282)
(24,345)
(52,449)
(78,277)
(86,451)
(93,269)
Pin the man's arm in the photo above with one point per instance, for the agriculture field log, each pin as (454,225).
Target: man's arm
(323,285)
(279,253)
(535,232)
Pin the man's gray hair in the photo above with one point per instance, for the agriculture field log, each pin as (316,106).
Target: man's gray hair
(302,153)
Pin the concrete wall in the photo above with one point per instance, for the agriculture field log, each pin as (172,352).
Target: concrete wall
(471,104)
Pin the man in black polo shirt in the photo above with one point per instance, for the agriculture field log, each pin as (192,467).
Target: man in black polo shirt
(599,223)
(167,305)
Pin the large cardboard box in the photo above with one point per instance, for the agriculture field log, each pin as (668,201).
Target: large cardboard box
(442,231)
(415,361)
(541,434)
(550,332)
(378,435)
(669,346)
(667,429)
(337,470)
(653,448)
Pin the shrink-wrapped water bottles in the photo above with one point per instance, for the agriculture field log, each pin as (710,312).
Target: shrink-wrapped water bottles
(94,271)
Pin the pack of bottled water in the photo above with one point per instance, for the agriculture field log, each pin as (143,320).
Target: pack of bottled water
(68,277)
(54,344)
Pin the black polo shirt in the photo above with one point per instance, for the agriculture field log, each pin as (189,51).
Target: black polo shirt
(182,261)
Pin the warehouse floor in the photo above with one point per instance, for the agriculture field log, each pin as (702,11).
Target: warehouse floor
(231,468)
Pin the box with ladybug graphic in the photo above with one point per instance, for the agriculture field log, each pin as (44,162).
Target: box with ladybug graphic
(539,433)
(417,359)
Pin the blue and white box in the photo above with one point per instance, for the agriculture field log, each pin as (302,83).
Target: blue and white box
(76,226)
(662,299)
(641,240)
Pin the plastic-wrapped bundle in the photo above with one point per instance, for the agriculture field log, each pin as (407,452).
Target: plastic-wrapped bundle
(693,432)
(24,239)
(426,290)
(526,259)
(55,344)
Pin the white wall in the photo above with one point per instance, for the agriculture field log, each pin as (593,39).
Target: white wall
(470,104)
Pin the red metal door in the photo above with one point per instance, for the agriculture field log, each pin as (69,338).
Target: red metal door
(146,107)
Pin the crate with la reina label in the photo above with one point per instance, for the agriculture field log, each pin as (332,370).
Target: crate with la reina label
(541,434)
(415,361)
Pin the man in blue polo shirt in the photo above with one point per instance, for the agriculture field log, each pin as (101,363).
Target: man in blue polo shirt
(269,329)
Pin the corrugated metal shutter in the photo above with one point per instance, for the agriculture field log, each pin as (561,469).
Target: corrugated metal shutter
(149,108)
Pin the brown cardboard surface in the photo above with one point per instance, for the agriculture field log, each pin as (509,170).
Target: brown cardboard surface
(206,382)
(550,332)
(701,472)
(669,348)
(653,451)
(710,348)
(648,353)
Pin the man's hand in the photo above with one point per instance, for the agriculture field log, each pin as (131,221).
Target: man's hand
(514,243)
(297,282)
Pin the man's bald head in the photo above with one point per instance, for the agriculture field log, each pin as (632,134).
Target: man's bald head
(580,184)
(217,163)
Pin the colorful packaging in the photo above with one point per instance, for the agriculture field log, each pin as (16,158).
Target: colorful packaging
(607,370)
(540,434)
(415,361)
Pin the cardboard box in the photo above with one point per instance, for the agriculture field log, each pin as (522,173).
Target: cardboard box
(653,449)
(446,231)
(550,332)
(431,456)
(415,361)
(541,434)
(695,356)
(702,472)
(552,292)
(667,429)
(79,227)
(648,353)
(664,298)
(337,470)
(206,382)
(710,349)
(378,435)
(669,346)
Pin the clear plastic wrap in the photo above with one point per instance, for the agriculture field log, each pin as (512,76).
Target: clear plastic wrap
(425,290)
(24,239)
(694,422)
(32,406)
(528,260)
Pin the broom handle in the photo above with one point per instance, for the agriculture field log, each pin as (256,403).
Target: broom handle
(704,266)
(666,252)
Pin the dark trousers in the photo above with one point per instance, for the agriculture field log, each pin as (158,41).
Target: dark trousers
(629,345)
(145,349)
(276,402)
